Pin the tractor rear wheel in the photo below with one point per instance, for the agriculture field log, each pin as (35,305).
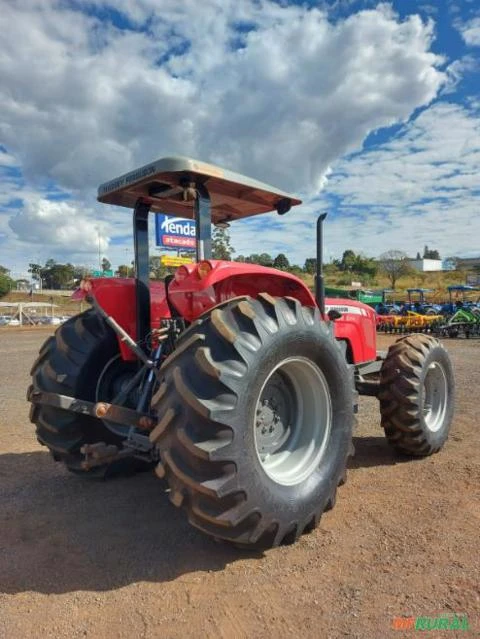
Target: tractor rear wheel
(82,351)
(256,427)
(417,395)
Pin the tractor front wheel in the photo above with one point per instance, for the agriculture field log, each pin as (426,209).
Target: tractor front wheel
(256,421)
(417,395)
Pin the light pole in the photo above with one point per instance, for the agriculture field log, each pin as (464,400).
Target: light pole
(39,276)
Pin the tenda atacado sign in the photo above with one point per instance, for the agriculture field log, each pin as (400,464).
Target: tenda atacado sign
(173,232)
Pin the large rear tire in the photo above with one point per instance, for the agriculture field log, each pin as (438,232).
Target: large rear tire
(417,395)
(70,363)
(257,416)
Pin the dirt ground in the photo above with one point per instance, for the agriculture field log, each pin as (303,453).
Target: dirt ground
(116,559)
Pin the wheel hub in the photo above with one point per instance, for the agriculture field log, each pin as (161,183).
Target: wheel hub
(274,415)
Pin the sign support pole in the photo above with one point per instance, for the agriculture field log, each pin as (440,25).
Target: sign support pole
(203,224)
(142,268)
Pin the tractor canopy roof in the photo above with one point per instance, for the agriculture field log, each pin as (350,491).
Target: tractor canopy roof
(462,287)
(168,186)
(419,290)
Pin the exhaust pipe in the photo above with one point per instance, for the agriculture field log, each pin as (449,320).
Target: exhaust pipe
(319,278)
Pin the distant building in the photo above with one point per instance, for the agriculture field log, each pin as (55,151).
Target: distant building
(468,262)
(449,264)
(426,265)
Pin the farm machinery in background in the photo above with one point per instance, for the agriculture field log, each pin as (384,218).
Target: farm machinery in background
(417,302)
(461,316)
(371,298)
(409,322)
(412,316)
(235,382)
(457,318)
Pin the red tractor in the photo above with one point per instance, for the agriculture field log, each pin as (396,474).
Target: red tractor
(237,383)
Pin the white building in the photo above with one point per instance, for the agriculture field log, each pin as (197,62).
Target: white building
(426,265)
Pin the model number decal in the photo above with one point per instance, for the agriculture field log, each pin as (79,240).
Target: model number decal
(353,310)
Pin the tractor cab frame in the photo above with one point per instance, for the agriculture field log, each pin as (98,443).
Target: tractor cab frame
(193,190)
(462,289)
(421,304)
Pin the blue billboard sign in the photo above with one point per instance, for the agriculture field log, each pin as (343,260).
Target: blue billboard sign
(174,232)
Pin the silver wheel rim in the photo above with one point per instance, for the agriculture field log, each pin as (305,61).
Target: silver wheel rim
(293,421)
(435,396)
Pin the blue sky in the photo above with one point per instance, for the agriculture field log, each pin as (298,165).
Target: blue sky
(367,110)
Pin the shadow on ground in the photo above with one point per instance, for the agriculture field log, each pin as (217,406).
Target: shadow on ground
(376,451)
(62,533)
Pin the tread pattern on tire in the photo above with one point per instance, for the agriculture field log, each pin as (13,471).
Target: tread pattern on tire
(197,449)
(401,395)
(67,363)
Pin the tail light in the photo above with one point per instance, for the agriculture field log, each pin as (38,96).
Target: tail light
(181,274)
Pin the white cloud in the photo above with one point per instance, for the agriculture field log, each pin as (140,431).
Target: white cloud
(420,188)
(277,92)
(457,70)
(59,225)
(470,32)
(84,101)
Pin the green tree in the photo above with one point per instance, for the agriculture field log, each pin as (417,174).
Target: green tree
(221,246)
(124,271)
(263,259)
(281,262)
(348,260)
(295,269)
(106,266)
(35,270)
(6,282)
(430,254)
(58,275)
(365,266)
(310,265)
(157,270)
(356,264)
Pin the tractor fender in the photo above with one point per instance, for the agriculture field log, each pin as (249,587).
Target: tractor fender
(116,295)
(193,295)
(356,327)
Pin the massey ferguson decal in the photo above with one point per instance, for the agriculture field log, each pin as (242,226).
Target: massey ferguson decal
(174,232)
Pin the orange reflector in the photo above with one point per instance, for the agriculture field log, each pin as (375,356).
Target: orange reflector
(203,269)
